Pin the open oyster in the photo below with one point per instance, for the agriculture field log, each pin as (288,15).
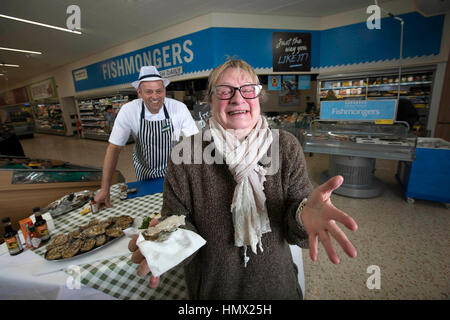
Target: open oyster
(72,249)
(54,253)
(114,232)
(94,231)
(162,230)
(87,245)
(100,240)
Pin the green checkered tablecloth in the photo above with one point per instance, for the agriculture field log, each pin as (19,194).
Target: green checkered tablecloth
(117,276)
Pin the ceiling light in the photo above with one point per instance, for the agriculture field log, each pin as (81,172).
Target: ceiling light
(19,50)
(9,65)
(39,24)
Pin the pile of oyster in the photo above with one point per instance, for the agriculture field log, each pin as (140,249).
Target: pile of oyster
(93,235)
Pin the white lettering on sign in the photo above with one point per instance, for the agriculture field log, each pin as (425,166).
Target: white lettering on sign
(80,75)
(363,112)
(167,73)
(173,55)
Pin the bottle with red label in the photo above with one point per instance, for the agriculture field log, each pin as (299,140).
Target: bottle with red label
(34,236)
(94,206)
(12,238)
(41,226)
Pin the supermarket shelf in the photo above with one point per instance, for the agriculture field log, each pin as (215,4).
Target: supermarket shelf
(378,85)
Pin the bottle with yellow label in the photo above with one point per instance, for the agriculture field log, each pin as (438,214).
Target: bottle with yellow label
(12,238)
(41,226)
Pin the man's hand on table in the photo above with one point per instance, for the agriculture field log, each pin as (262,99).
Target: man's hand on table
(139,259)
(103,199)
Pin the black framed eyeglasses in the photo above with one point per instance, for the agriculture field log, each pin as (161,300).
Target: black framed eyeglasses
(248,91)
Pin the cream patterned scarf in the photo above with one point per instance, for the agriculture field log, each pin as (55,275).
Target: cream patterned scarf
(248,208)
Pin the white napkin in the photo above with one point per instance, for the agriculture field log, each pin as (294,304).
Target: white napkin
(3,248)
(163,256)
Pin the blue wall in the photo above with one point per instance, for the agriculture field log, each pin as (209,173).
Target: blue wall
(206,49)
(356,43)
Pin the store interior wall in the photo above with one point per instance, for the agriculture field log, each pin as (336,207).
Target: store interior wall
(65,85)
(63,75)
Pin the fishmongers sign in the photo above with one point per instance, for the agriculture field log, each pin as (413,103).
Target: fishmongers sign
(362,110)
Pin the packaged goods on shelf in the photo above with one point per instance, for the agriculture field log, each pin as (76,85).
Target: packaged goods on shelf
(92,115)
(49,118)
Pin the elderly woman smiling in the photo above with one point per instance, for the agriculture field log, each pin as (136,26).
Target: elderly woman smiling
(247,215)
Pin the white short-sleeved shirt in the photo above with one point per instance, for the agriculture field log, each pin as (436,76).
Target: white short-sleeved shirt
(128,120)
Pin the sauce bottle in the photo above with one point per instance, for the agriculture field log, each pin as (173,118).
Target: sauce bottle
(12,238)
(34,236)
(41,226)
(94,207)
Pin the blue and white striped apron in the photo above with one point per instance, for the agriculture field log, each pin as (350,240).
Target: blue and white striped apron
(154,142)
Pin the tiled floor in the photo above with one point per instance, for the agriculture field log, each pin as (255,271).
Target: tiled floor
(409,243)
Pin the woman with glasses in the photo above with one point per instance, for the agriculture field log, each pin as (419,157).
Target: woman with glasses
(247,209)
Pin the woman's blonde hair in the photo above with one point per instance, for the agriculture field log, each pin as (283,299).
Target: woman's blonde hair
(230,63)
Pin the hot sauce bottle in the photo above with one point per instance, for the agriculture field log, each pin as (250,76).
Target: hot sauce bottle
(34,236)
(12,238)
(41,226)
(94,206)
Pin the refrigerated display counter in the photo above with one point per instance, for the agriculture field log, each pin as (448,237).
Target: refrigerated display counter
(354,147)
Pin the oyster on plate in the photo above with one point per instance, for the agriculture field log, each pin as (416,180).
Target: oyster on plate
(86,238)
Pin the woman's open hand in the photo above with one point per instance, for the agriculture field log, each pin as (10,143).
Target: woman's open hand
(319,217)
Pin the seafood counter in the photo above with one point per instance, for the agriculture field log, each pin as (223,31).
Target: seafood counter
(353,147)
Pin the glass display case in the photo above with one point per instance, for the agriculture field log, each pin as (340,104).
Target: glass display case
(295,123)
(354,146)
(21,118)
(414,87)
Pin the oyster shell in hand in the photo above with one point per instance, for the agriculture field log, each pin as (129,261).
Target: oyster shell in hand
(162,230)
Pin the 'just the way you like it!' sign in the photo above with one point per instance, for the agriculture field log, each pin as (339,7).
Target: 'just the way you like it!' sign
(291,51)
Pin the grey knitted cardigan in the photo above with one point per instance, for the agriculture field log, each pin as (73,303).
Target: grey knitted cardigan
(204,192)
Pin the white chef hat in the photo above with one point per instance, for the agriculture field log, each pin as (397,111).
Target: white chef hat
(149,73)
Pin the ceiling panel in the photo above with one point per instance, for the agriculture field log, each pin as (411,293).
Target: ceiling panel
(108,23)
